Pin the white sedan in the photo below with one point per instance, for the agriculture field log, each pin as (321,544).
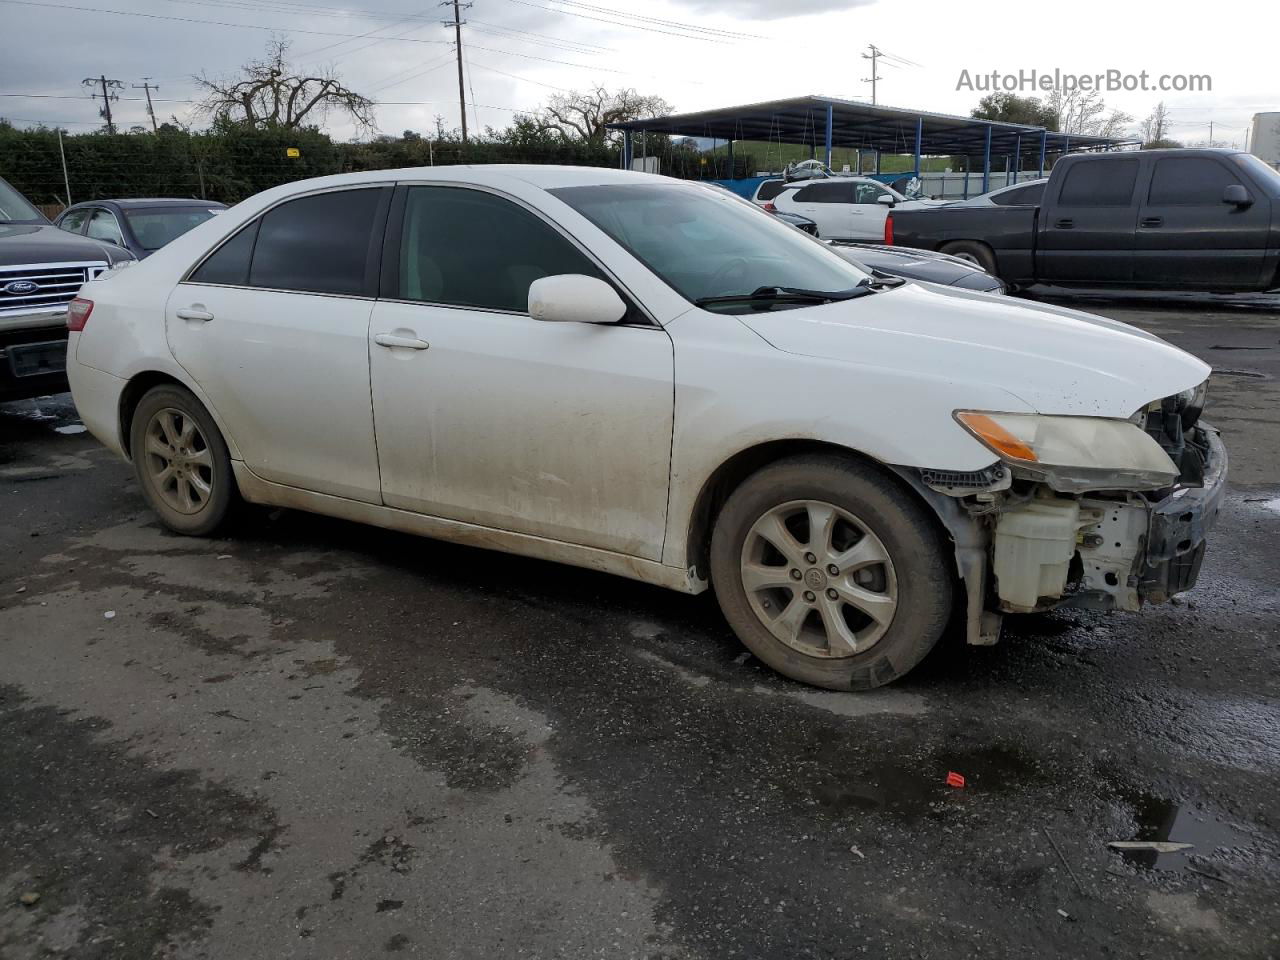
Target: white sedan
(642,376)
(844,208)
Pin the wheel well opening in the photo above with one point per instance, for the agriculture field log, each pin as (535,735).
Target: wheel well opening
(730,474)
(132,395)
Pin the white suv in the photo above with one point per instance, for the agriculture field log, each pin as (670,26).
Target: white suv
(642,376)
(844,208)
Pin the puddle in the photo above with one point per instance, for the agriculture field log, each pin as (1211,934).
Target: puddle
(1161,819)
(917,791)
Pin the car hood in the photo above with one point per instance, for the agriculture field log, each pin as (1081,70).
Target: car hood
(908,262)
(23,243)
(1055,360)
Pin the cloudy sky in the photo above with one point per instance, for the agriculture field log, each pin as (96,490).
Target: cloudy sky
(696,53)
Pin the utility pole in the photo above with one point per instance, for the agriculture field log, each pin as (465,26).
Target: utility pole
(106,95)
(456,23)
(62,154)
(151,112)
(873,56)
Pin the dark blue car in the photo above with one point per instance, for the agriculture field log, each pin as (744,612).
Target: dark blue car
(140,226)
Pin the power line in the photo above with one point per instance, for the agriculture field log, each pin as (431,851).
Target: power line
(580,43)
(613,23)
(677,24)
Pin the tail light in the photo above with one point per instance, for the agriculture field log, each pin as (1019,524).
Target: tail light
(888,230)
(769,207)
(78,311)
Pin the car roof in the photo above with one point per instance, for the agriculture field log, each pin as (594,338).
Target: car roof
(162,202)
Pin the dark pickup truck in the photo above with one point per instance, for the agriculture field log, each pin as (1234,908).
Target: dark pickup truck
(1166,219)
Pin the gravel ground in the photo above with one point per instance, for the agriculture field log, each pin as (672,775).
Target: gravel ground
(319,740)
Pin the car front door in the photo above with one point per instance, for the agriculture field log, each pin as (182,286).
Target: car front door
(868,212)
(1187,235)
(1088,227)
(274,327)
(487,416)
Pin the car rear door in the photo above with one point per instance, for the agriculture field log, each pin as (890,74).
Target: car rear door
(274,327)
(1088,225)
(489,417)
(829,204)
(1189,237)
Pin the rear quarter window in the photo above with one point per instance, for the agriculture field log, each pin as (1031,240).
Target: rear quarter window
(770,189)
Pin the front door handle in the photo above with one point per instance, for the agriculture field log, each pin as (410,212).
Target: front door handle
(194,312)
(391,340)
(1064,224)
(1153,221)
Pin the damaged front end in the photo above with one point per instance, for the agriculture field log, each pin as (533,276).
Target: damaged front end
(1081,511)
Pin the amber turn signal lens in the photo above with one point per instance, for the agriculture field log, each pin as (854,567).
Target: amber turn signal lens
(997,437)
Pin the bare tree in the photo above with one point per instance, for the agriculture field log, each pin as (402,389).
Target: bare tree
(1085,112)
(270,94)
(1155,127)
(586,116)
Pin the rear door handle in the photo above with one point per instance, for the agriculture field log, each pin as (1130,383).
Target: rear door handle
(1153,221)
(391,340)
(1064,224)
(194,312)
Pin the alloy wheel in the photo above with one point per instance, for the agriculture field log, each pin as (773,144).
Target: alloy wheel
(819,579)
(178,460)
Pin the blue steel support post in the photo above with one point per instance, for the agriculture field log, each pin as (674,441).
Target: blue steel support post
(919,143)
(1017,157)
(1044,144)
(830,121)
(986,163)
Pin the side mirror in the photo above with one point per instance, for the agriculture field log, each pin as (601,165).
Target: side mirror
(887,199)
(1237,196)
(574,298)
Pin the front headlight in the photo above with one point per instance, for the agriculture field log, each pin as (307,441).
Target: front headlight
(1073,454)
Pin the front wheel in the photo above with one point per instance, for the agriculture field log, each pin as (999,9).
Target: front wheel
(831,572)
(181,461)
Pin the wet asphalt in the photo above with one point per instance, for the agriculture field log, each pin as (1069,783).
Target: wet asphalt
(314,739)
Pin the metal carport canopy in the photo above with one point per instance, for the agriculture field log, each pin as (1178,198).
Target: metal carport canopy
(826,122)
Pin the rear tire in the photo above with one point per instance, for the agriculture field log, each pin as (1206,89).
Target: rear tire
(181,461)
(973,251)
(831,572)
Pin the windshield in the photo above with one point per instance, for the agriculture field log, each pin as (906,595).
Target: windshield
(155,228)
(1267,177)
(707,243)
(14,207)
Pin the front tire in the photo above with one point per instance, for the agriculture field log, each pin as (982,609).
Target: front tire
(831,572)
(181,461)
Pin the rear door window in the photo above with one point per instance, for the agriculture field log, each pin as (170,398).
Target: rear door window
(826,192)
(318,244)
(1099,183)
(1189,180)
(469,248)
(1020,196)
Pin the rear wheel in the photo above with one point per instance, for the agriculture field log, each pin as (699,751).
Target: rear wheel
(181,461)
(831,572)
(973,252)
